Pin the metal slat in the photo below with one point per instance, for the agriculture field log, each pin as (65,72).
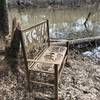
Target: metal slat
(43,83)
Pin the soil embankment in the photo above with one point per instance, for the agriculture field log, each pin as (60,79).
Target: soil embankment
(46,3)
(80,80)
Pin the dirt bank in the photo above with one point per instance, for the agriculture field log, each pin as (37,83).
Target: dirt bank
(80,81)
(46,3)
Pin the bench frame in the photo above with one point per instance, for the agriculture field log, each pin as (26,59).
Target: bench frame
(57,74)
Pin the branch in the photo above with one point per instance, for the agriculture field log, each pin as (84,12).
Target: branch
(85,23)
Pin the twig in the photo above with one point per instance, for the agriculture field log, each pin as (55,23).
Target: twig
(85,23)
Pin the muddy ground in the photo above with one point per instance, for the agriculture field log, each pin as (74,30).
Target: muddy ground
(80,80)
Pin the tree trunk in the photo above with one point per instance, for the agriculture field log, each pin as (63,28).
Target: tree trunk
(4,27)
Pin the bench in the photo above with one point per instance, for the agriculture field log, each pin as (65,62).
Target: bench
(41,57)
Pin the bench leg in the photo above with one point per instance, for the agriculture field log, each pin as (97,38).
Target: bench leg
(56,81)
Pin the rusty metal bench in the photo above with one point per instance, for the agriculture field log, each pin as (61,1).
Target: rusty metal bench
(41,57)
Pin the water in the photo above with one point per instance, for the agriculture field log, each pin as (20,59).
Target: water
(64,23)
(93,54)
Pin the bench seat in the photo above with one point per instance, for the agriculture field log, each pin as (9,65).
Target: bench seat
(52,55)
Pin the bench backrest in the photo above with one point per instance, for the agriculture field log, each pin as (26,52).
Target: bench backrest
(36,39)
